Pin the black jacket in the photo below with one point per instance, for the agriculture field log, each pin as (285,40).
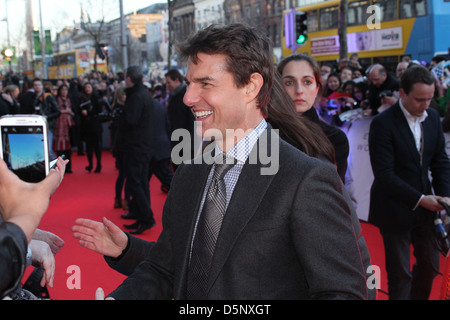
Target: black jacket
(91,122)
(13,250)
(180,116)
(391,84)
(135,124)
(400,178)
(45,105)
(338,139)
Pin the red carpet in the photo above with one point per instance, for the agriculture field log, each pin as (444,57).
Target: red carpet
(79,271)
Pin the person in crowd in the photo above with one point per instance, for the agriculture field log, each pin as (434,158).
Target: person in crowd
(303,134)
(159,93)
(298,73)
(383,89)
(20,220)
(91,127)
(357,75)
(160,164)
(308,137)
(401,68)
(347,88)
(230,74)
(41,253)
(406,143)
(118,106)
(42,103)
(442,74)
(8,100)
(179,115)
(353,62)
(75,94)
(333,88)
(360,95)
(135,142)
(325,70)
(61,136)
(346,74)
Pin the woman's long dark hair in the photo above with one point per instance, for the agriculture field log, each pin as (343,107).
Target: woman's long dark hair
(297,130)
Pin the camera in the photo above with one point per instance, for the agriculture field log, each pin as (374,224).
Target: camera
(386,93)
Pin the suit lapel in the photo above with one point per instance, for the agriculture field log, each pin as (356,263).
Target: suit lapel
(428,130)
(247,196)
(198,172)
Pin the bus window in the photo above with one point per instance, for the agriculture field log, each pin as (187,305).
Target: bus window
(313,22)
(329,18)
(412,8)
(71,59)
(357,13)
(388,9)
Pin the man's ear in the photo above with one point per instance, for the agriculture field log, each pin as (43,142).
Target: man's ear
(254,86)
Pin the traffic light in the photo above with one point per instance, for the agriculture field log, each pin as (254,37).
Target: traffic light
(301,28)
(8,54)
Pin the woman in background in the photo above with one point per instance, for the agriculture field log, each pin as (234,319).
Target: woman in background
(61,137)
(300,76)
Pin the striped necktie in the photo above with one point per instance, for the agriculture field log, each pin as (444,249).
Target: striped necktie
(208,229)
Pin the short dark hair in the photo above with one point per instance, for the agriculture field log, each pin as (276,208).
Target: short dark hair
(36,80)
(247,49)
(174,74)
(415,74)
(135,74)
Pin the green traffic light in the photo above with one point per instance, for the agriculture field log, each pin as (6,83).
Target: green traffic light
(302,39)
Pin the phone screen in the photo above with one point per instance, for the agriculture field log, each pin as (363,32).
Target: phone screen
(24,152)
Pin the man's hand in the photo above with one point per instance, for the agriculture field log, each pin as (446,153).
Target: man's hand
(104,238)
(431,202)
(27,214)
(42,257)
(55,242)
(100,295)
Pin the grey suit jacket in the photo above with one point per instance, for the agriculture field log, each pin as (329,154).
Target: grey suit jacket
(284,236)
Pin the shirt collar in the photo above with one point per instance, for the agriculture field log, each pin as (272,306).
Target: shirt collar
(410,117)
(242,149)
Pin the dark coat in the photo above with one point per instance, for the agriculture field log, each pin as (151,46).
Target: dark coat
(337,138)
(272,244)
(13,250)
(399,178)
(135,124)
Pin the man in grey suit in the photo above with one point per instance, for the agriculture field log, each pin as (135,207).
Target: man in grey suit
(286,231)
(406,143)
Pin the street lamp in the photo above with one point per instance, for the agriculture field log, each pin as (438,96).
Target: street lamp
(10,51)
(8,54)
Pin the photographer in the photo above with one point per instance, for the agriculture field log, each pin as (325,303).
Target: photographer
(20,220)
(388,98)
(382,81)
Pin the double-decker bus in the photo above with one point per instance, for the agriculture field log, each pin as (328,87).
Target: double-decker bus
(69,65)
(379,31)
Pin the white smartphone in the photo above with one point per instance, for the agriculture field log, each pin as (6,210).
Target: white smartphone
(24,146)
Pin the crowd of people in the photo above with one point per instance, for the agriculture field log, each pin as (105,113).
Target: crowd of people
(215,239)
(374,88)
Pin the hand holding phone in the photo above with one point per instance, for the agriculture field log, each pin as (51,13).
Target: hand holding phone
(53,162)
(24,146)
